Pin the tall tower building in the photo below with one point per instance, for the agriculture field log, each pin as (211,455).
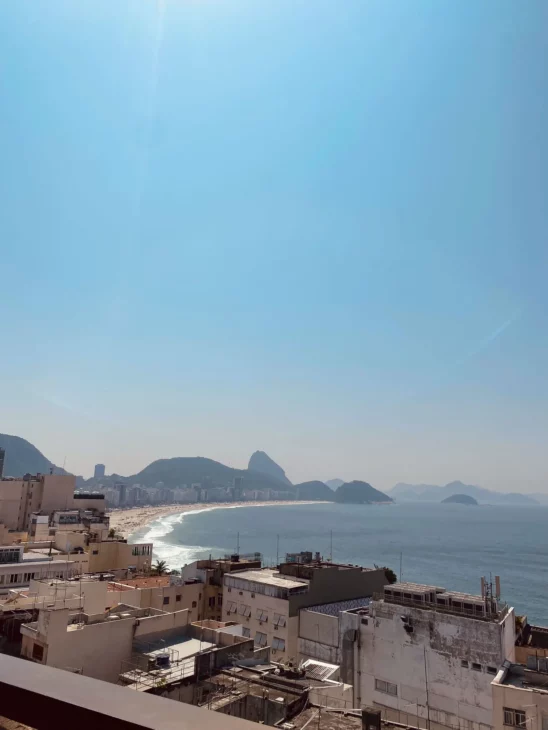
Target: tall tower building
(99,472)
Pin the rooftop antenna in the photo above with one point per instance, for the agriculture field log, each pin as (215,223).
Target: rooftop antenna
(401,561)
(277,550)
(238,544)
(331,546)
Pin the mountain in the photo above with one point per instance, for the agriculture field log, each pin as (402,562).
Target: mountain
(460,499)
(334,483)
(360,493)
(197,469)
(432,493)
(24,458)
(260,461)
(315,490)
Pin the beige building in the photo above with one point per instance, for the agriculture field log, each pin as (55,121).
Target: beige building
(113,555)
(167,593)
(520,697)
(19,498)
(94,644)
(267,602)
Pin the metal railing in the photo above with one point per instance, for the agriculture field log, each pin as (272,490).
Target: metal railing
(134,677)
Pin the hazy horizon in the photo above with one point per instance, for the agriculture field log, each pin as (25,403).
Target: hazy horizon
(317,229)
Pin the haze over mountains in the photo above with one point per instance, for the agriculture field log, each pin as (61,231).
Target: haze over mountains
(262,473)
(433,493)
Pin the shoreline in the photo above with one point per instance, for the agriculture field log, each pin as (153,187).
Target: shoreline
(129,520)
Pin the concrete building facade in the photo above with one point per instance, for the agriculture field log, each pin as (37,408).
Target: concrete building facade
(427,656)
(268,601)
(94,644)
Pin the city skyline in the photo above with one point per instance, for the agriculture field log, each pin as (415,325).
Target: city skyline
(312,229)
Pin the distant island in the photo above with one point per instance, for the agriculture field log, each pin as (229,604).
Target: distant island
(357,492)
(460,499)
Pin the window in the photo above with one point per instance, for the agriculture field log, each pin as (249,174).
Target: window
(476,667)
(246,632)
(260,638)
(278,644)
(464,663)
(211,601)
(166,600)
(37,652)
(386,687)
(15,578)
(491,670)
(220,599)
(178,598)
(514,718)
(194,604)
(244,610)
(232,607)
(95,552)
(279,620)
(261,615)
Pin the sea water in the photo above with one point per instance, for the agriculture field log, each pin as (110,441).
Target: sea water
(446,545)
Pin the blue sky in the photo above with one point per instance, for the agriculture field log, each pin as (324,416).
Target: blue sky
(313,228)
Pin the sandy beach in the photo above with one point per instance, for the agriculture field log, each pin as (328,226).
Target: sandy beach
(128,521)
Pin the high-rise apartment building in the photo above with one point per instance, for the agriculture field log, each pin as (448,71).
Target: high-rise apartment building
(99,471)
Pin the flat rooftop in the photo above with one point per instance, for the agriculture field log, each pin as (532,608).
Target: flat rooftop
(516,675)
(415,588)
(160,581)
(183,645)
(269,577)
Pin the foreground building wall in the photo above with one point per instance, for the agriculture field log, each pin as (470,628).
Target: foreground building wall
(423,666)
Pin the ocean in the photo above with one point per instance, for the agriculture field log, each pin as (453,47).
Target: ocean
(447,545)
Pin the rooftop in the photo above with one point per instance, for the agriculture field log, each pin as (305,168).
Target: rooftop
(516,675)
(270,577)
(160,581)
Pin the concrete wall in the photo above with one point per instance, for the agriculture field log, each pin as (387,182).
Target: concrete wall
(57,492)
(429,660)
(151,625)
(318,637)
(328,585)
(98,649)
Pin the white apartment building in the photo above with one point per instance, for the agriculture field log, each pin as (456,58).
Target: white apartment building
(268,601)
(260,601)
(427,656)
(18,568)
(520,696)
